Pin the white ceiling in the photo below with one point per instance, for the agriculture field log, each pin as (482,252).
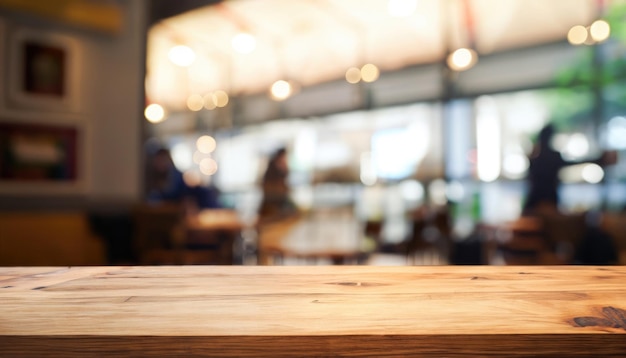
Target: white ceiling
(314,41)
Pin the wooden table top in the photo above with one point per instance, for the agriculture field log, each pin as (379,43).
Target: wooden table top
(313,311)
(214,219)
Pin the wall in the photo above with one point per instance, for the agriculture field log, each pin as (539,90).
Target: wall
(110,71)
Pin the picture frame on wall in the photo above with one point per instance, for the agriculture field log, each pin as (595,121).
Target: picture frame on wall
(43,71)
(42,158)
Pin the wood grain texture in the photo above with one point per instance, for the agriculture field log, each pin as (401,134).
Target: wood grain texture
(245,311)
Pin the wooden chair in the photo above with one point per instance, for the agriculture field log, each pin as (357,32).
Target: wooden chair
(270,239)
(563,235)
(615,225)
(158,233)
(430,238)
(522,242)
(163,237)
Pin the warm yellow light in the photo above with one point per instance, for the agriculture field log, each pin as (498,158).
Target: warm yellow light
(181,55)
(244,43)
(221,98)
(281,90)
(353,75)
(206,144)
(154,113)
(208,166)
(369,73)
(195,102)
(401,8)
(600,30)
(210,101)
(462,59)
(577,35)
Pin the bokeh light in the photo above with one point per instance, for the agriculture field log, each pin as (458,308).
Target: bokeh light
(600,30)
(210,101)
(281,90)
(412,190)
(206,144)
(195,102)
(369,73)
(197,157)
(577,35)
(221,98)
(353,75)
(592,173)
(208,166)
(154,113)
(462,59)
(182,55)
(515,165)
(437,192)
(576,147)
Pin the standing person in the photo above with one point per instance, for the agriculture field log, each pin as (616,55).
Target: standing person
(276,202)
(543,174)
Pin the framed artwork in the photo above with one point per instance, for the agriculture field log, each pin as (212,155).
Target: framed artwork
(38,157)
(44,70)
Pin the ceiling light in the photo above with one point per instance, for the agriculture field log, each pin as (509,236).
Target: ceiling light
(208,166)
(369,73)
(600,30)
(154,113)
(281,90)
(244,43)
(220,98)
(577,35)
(210,101)
(353,75)
(206,144)
(181,55)
(195,102)
(462,59)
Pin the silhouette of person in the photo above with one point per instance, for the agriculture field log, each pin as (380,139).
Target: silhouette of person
(543,174)
(167,185)
(276,202)
(164,182)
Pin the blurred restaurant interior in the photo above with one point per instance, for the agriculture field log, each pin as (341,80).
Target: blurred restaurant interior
(409,128)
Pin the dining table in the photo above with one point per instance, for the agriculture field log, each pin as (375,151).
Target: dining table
(313,311)
(215,231)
